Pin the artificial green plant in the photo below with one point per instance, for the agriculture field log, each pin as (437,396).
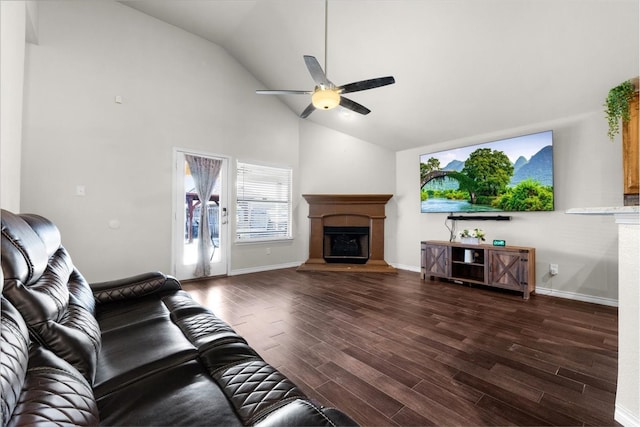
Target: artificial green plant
(617,106)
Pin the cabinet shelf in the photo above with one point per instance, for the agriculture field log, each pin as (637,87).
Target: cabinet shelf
(468,263)
(508,267)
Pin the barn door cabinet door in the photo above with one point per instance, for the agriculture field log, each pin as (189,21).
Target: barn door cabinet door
(509,269)
(435,260)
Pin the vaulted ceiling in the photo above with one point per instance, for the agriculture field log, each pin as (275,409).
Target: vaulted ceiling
(462,67)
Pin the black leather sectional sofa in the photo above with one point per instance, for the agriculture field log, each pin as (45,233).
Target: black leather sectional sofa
(136,351)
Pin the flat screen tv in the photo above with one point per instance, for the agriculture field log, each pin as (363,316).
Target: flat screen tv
(508,175)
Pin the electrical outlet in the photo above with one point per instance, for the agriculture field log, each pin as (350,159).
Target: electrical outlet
(553,269)
(268,251)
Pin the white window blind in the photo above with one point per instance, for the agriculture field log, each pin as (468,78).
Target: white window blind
(263,210)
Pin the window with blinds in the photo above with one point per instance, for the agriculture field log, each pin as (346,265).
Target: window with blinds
(263,209)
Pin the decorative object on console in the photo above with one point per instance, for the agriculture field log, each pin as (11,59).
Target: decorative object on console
(472,237)
(468,256)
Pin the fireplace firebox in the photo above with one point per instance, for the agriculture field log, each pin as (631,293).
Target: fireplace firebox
(346,244)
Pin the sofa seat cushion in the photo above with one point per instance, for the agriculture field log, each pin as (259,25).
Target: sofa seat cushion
(183,395)
(123,314)
(138,350)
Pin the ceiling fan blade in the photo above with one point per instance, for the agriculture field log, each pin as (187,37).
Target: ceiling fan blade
(284,92)
(316,71)
(366,84)
(310,109)
(353,106)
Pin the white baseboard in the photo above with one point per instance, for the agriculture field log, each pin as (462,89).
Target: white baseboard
(576,296)
(264,268)
(625,417)
(406,267)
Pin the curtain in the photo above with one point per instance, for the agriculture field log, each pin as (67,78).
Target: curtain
(205,172)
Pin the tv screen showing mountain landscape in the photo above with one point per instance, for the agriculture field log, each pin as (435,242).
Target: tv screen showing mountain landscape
(514,174)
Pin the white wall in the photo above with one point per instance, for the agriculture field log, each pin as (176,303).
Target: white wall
(177,90)
(335,163)
(587,172)
(628,392)
(12,50)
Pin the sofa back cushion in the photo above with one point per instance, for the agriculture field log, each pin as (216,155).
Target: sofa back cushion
(54,299)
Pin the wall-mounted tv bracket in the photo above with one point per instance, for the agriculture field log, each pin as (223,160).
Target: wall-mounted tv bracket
(479,218)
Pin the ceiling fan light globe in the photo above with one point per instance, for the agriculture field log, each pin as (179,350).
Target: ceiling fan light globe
(325,99)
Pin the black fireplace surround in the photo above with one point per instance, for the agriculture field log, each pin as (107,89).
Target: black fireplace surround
(346,244)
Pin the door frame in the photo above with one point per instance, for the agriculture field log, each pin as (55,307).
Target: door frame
(177,210)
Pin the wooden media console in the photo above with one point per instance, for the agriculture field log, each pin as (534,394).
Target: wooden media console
(506,267)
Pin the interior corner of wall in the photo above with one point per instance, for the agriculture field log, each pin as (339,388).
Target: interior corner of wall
(31,31)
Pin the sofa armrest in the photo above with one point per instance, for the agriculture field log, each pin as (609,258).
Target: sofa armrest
(134,287)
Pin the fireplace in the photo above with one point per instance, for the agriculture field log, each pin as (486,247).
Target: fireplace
(346,232)
(346,244)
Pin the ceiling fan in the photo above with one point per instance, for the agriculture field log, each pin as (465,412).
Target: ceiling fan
(327,95)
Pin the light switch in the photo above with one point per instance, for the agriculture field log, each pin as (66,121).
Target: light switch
(80,190)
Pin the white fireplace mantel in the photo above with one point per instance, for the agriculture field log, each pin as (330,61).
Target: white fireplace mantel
(627,410)
(622,214)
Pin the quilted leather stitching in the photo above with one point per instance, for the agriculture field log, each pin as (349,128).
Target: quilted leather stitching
(131,290)
(14,349)
(199,326)
(255,388)
(181,301)
(53,396)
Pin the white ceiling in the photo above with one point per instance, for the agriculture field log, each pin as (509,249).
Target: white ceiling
(462,67)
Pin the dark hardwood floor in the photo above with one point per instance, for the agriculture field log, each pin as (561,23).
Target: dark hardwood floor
(391,349)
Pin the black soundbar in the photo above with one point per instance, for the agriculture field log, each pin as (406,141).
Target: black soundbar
(479,218)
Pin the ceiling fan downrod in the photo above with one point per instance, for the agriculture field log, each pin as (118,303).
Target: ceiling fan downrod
(326,35)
